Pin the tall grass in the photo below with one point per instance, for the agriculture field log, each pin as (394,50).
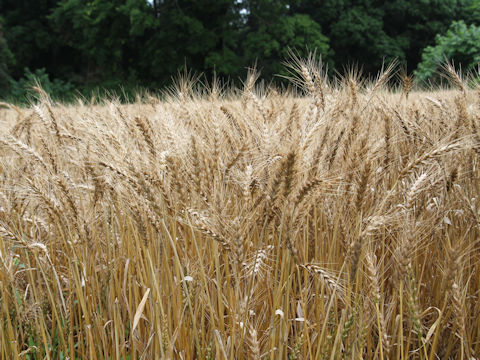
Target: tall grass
(343,223)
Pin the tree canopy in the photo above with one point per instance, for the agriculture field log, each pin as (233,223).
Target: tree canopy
(460,44)
(6,59)
(87,43)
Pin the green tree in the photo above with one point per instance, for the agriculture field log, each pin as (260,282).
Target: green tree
(413,25)
(96,34)
(6,59)
(272,30)
(461,44)
(355,29)
(21,91)
(368,31)
(473,13)
(359,37)
(138,40)
(201,34)
(29,35)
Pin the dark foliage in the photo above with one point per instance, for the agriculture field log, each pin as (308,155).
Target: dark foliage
(85,44)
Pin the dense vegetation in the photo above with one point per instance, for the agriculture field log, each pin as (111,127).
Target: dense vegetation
(80,44)
(252,224)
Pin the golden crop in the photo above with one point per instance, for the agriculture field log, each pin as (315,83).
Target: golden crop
(342,224)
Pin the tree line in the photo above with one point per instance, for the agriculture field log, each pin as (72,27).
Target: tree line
(83,44)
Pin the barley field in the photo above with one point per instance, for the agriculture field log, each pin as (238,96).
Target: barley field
(340,222)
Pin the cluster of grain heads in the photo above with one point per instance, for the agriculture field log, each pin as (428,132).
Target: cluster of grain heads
(341,221)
